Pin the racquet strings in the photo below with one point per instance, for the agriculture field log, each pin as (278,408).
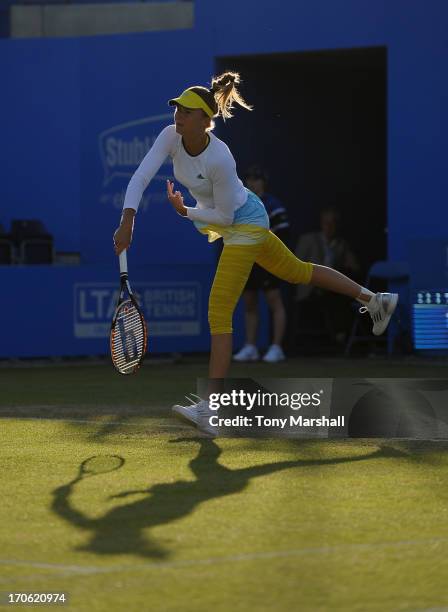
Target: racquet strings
(129,338)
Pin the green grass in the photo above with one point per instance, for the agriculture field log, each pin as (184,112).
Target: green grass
(165,383)
(189,523)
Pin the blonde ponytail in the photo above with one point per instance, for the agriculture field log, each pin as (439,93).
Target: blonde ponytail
(225,93)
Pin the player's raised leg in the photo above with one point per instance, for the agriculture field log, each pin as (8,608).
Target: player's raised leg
(279,260)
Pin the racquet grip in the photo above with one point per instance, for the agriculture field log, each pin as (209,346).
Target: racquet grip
(123,262)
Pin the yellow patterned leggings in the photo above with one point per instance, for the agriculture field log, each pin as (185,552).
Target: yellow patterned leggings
(233,270)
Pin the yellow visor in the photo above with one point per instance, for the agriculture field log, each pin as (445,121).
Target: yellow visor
(190,99)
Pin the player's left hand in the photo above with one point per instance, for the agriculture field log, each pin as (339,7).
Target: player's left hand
(176,199)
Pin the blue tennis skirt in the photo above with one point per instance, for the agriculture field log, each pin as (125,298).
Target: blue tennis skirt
(252,212)
(250,224)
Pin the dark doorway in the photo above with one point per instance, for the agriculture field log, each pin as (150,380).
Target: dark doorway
(319,128)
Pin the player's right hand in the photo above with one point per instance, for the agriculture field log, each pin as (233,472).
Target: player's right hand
(122,238)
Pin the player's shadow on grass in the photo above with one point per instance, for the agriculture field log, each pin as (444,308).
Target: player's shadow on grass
(120,530)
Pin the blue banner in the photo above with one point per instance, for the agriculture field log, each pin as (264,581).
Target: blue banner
(61,311)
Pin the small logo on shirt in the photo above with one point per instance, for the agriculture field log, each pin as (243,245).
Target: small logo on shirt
(200,176)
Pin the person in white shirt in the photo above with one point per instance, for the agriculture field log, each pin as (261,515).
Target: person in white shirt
(226,209)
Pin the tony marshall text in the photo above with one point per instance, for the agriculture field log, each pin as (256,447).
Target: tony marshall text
(261,421)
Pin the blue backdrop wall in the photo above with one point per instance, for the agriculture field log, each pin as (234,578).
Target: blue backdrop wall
(77,115)
(40,131)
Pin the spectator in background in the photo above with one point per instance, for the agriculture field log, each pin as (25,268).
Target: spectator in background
(261,280)
(327,248)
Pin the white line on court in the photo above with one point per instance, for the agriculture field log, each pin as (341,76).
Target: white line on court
(256,556)
(180,426)
(185,427)
(86,421)
(445,609)
(75,569)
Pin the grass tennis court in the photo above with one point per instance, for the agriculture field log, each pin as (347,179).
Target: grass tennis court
(190,523)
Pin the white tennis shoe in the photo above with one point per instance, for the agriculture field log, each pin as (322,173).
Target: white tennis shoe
(274,354)
(380,308)
(187,413)
(249,352)
(197,414)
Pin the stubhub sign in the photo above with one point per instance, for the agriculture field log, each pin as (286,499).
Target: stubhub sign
(170,309)
(122,148)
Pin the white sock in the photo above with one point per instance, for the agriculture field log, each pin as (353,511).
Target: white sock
(366,293)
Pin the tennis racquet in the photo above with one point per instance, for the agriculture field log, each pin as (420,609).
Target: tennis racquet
(128,333)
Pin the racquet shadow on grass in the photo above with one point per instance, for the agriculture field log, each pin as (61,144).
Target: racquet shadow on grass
(120,530)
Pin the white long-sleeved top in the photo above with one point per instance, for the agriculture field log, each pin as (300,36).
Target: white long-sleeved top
(210,177)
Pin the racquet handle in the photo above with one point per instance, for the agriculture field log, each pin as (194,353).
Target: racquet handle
(123,263)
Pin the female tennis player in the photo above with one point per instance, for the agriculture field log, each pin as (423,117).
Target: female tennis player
(226,209)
